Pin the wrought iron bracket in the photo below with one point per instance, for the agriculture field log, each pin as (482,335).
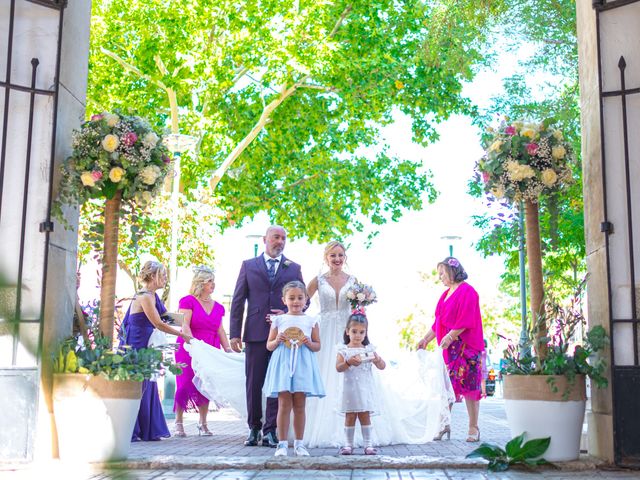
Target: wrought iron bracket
(606,227)
(46,226)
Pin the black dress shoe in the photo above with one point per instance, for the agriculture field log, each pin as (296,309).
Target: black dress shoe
(270,440)
(253,438)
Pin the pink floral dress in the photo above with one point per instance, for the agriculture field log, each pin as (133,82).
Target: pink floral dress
(464,355)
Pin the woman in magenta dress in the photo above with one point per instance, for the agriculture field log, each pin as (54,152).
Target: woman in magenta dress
(458,330)
(138,324)
(202,320)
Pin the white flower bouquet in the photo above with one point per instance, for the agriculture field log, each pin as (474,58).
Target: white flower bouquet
(360,295)
(114,153)
(523,160)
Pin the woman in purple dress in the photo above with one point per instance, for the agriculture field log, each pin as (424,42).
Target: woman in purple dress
(202,320)
(458,331)
(138,324)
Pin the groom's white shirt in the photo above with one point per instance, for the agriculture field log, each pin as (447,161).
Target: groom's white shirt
(276,265)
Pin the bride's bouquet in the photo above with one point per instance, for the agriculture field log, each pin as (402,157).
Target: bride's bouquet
(361,295)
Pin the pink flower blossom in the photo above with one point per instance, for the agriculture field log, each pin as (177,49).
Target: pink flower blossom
(532,148)
(510,130)
(96,174)
(485,177)
(129,139)
(166,159)
(96,117)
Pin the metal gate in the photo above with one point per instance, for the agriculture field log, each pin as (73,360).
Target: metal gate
(619,83)
(30,46)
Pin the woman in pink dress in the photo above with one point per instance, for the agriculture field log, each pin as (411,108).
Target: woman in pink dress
(458,330)
(202,320)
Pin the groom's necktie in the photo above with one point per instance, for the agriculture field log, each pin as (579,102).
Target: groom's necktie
(271,271)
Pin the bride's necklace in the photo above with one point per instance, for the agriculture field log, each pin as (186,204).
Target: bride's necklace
(205,300)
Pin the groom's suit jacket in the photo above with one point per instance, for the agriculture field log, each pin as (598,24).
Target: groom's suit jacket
(254,288)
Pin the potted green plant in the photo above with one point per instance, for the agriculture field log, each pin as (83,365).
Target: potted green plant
(546,396)
(96,394)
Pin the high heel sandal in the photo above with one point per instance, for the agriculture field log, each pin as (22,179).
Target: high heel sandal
(445,431)
(178,430)
(203,430)
(474,437)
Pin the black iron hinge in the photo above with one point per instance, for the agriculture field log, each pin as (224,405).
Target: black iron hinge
(46,226)
(606,227)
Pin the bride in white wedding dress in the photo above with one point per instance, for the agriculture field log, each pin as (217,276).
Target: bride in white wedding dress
(414,391)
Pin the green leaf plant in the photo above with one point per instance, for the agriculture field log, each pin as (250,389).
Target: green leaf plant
(91,353)
(564,325)
(515,452)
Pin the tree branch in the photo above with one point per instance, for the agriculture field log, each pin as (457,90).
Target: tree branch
(299,182)
(132,68)
(267,111)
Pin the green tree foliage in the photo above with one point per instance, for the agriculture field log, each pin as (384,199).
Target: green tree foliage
(287,99)
(149,232)
(545,86)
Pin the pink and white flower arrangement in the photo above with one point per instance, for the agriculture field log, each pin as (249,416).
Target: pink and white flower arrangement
(523,160)
(360,295)
(111,153)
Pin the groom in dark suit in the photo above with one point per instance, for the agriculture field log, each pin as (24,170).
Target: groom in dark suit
(260,285)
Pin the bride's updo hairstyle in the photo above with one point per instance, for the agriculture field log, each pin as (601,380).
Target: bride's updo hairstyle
(201,276)
(357,317)
(454,269)
(151,271)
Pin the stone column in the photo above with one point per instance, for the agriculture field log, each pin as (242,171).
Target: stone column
(61,274)
(600,420)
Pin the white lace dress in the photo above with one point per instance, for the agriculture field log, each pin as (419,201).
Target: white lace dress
(413,392)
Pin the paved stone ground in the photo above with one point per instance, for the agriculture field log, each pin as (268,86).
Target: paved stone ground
(230,432)
(224,457)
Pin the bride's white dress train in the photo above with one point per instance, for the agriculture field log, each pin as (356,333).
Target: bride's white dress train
(414,390)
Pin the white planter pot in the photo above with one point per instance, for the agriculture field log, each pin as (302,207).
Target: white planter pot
(532,407)
(94,417)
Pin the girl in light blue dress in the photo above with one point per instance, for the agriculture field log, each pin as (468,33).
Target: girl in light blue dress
(293,372)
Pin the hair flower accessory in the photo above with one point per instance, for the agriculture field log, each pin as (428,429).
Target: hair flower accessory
(453,262)
(361,295)
(359,310)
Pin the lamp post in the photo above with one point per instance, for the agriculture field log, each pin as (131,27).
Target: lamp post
(451,239)
(255,237)
(177,143)
(524,336)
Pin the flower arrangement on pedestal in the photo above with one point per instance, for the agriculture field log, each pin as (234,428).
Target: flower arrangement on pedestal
(114,154)
(522,161)
(119,158)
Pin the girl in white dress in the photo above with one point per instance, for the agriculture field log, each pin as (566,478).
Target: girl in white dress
(293,372)
(358,393)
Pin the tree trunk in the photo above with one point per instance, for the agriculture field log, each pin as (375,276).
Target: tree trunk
(109,264)
(534,260)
